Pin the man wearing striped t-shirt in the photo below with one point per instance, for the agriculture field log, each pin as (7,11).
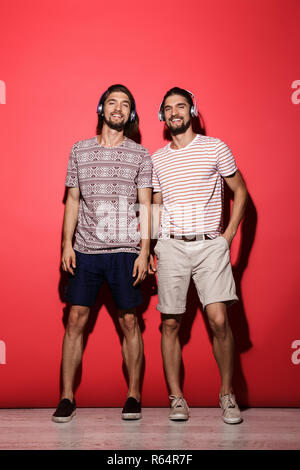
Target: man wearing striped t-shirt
(188,181)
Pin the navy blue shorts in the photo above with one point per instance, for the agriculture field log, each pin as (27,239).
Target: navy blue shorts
(92,270)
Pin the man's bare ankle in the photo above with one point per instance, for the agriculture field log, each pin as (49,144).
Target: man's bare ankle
(69,396)
(226,391)
(137,396)
(176,393)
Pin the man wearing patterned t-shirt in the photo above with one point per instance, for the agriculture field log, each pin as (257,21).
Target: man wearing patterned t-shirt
(106,176)
(188,177)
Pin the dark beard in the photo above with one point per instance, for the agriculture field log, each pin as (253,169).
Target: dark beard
(116,126)
(180,129)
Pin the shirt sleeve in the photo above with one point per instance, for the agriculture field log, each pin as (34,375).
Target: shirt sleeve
(144,177)
(155,182)
(72,172)
(226,165)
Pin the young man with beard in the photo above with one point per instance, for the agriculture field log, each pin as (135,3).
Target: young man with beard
(106,175)
(188,177)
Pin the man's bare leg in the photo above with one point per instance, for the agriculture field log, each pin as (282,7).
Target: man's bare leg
(223,347)
(73,348)
(132,350)
(171,352)
(223,344)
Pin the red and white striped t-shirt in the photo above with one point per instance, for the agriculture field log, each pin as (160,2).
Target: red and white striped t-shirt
(192,187)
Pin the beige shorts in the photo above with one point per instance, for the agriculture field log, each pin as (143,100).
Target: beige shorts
(207,262)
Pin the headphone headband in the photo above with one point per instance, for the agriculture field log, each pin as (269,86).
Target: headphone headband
(194,110)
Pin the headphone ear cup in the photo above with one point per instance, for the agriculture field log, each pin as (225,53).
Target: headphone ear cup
(194,112)
(161,116)
(100,105)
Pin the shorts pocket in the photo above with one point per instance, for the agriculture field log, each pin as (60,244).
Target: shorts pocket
(225,241)
(156,248)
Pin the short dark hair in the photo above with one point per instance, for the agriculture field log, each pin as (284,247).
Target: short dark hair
(177,91)
(132,127)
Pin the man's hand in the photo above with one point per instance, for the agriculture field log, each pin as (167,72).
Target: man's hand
(68,259)
(228,238)
(140,268)
(151,265)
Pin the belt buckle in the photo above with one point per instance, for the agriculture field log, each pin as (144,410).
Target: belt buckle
(187,239)
(194,238)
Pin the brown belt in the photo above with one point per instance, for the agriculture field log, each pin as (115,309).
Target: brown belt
(192,238)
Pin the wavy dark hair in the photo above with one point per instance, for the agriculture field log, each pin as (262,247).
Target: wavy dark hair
(131,129)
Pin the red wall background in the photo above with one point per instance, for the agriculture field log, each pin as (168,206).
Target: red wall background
(241,60)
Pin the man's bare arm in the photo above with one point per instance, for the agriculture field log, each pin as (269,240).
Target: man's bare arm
(141,263)
(237,185)
(144,197)
(68,258)
(157,202)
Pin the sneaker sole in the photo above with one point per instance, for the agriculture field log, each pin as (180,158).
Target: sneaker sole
(232,421)
(179,418)
(131,415)
(64,419)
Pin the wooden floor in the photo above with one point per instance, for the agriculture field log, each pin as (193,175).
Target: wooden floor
(103,428)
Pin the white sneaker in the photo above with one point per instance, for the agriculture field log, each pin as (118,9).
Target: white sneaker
(231,411)
(179,409)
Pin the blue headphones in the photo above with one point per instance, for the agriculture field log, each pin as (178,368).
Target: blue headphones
(100,108)
(194,110)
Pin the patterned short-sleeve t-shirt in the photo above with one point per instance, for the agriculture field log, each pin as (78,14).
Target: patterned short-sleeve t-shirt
(108,179)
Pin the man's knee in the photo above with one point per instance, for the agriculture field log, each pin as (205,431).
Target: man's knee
(170,324)
(218,320)
(128,322)
(77,319)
